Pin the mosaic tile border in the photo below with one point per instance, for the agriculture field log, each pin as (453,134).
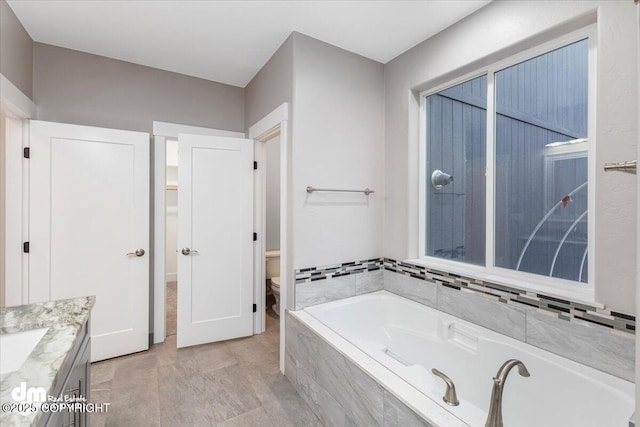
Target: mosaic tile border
(337,270)
(563,308)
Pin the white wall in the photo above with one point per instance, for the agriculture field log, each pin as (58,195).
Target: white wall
(272,173)
(337,143)
(497,31)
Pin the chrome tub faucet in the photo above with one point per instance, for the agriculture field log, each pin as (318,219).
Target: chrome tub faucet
(450,397)
(494,418)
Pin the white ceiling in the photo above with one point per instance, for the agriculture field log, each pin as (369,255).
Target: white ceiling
(229,41)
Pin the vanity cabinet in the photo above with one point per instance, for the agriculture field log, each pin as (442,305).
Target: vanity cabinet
(73,383)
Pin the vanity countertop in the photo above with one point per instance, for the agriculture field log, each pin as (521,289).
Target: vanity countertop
(64,320)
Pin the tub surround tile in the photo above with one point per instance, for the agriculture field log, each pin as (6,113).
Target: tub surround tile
(330,289)
(342,394)
(290,369)
(350,386)
(601,348)
(421,291)
(511,311)
(302,345)
(397,413)
(483,310)
(364,270)
(321,402)
(336,270)
(369,281)
(594,313)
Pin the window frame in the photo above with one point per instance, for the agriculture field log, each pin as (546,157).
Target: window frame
(491,272)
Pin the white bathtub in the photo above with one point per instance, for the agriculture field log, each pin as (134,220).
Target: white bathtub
(409,339)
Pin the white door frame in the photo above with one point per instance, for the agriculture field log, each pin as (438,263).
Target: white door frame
(18,108)
(262,131)
(161,132)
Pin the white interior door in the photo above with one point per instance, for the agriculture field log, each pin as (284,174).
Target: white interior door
(89,214)
(215,239)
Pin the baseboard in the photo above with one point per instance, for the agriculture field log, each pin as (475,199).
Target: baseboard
(172,277)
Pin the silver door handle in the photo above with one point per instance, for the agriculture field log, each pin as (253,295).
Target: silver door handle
(187,251)
(138,252)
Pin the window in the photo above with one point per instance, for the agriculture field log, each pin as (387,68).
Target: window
(528,184)
(456,162)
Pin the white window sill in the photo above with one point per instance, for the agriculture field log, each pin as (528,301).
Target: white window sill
(563,289)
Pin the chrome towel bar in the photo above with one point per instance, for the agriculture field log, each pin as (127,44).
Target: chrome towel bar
(366,191)
(628,167)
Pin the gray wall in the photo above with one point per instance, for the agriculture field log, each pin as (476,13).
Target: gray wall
(497,31)
(272,203)
(272,86)
(335,131)
(80,88)
(16,51)
(338,112)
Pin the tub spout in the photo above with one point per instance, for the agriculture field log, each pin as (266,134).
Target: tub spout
(494,419)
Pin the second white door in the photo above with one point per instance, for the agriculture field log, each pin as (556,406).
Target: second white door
(215,239)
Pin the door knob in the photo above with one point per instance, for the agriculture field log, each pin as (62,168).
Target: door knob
(138,252)
(187,251)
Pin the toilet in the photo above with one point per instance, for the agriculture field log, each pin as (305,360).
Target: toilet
(275,288)
(273,277)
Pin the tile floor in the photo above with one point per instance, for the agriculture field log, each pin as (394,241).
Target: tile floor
(231,383)
(171,308)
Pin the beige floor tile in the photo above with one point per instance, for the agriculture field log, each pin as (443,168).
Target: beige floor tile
(231,383)
(135,406)
(254,418)
(132,372)
(228,392)
(102,371)
(171,308)
(215,357)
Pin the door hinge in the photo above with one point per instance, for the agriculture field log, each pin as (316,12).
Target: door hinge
(26,152)
(255,165)
(25,247)
(255,236)
(255,308)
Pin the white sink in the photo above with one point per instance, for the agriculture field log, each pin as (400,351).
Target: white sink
(15,348)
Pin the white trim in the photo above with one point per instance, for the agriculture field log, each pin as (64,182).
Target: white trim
(534,282)
(274,119)
(15,286)
(259,223)
(591,156)
(422,176)
(17,107)
(15,101)
(169,130)
(490,187)
(262,131)
(159,237)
